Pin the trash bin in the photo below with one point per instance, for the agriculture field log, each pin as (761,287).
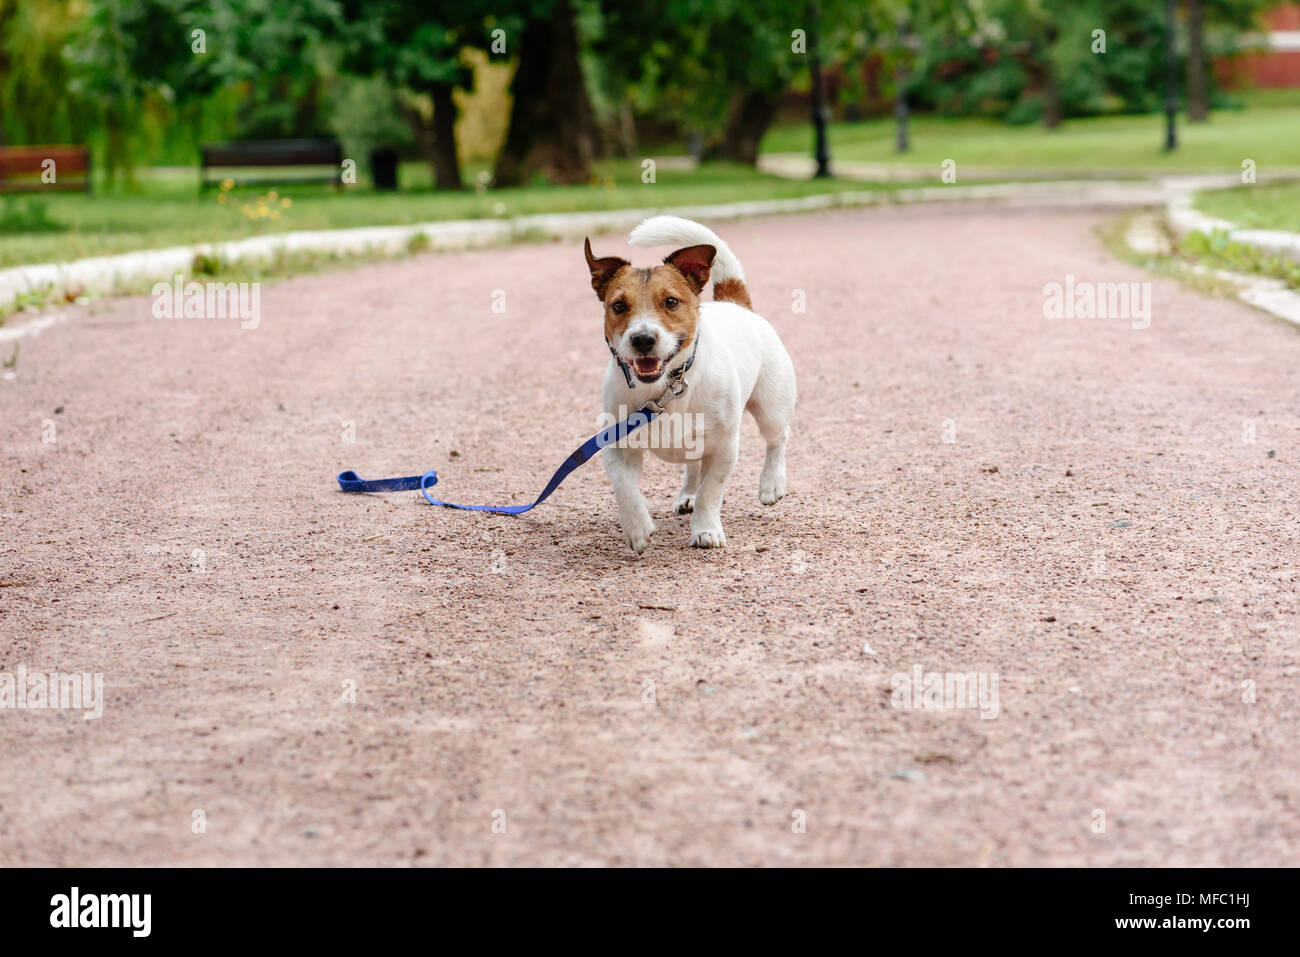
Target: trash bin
(383,168)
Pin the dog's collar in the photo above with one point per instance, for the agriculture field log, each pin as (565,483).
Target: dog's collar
(674,375)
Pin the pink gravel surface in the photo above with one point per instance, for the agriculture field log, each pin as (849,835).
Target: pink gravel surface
(1101,533)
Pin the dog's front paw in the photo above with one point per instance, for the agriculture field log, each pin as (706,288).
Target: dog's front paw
(684,504)
(637,532)
(708,538)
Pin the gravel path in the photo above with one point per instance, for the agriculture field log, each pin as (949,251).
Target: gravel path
(1104,533)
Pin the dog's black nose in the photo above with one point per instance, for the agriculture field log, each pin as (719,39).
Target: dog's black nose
(643,342)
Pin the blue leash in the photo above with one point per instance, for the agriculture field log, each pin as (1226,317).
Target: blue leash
(349,481)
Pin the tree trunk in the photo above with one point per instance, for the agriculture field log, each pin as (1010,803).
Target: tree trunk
(1198,98)
(552,126)
(421,130)
(751,115)
(1053,110)
(902,138)
(446,165)
(1051,99)
(117,155)
(436,138)
(627,129)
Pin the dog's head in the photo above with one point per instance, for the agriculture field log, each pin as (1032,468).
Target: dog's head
(651,314)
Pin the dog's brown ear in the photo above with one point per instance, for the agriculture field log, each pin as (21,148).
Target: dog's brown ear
(694,263)
(602,270)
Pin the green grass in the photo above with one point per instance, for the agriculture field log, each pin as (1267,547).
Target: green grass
(1267,130)
(1112,232)
(166,211)
(1260,206)
(1196,260)
(1219,252)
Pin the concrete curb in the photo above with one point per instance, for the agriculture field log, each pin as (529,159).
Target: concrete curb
(1271,295)
(1185,218)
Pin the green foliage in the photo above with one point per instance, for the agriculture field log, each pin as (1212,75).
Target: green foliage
(26,214)
(125,76)
(35,105)
(363,116)
(682,63)
(207,264)
(1217,251)
(998,61)
(992,58)
(414,43)
(142,66)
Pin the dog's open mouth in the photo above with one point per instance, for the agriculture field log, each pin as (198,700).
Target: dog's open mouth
(648,368)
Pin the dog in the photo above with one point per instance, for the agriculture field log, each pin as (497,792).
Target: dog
(704,363)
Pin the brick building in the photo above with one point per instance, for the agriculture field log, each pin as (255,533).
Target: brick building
(1275,64)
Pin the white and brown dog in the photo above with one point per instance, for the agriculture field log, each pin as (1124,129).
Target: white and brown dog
(658,330)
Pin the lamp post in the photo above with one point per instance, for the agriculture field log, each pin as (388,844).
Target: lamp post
(819,108)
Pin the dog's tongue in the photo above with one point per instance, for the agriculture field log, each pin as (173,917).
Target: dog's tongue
(647,365)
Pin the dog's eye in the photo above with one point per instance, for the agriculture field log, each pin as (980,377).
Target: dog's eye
(619,307)
(670,303)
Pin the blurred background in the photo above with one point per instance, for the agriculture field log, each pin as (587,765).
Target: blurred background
(181,121)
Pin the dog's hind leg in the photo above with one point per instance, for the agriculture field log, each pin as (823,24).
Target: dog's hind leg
(773,425)
(690,486)
(772,406)
(623,466)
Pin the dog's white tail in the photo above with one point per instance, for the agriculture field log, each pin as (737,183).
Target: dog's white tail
(728,278)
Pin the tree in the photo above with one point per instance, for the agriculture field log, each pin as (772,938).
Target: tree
(905,32)
(121,52)
(1032,60)
(655,59)
(552,126)
(1229,16)
(1198,95)
(273,51)
(1034,32)
(416,45)
(754,53)
(718,67)
(125,51)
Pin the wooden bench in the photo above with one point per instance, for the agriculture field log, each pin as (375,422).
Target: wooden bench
(270,154)
(22,168)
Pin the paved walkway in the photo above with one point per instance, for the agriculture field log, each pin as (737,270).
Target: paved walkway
(1112,530)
